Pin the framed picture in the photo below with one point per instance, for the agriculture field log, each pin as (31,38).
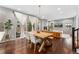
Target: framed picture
(58,25)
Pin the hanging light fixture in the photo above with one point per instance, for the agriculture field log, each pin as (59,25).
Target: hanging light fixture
(40,23)
(39,11)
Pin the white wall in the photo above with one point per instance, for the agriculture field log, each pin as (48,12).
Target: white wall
(64,22)
(66,29)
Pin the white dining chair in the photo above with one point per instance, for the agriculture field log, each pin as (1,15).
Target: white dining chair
(27,35)
(34,40)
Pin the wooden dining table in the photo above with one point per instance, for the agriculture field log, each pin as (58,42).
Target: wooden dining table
(43,36)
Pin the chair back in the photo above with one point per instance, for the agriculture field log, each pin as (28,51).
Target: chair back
(32,38)
(27,35)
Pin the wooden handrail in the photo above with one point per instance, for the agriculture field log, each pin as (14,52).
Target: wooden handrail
(76,29)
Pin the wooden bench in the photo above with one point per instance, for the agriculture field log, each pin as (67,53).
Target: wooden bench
(55,35)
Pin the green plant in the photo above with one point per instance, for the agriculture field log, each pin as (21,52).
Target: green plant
(7,26)
(29,26)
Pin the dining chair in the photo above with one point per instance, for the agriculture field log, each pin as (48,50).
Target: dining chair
(27,36)
(28,40)
(34,40)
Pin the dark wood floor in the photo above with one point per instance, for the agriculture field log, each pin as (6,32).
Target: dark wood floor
(21,46)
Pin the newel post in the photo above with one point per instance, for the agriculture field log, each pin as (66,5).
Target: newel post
(73,39)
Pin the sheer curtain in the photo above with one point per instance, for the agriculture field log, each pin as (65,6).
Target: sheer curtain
(35,23)
(22,19)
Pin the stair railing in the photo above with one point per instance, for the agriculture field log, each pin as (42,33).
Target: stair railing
(74,41)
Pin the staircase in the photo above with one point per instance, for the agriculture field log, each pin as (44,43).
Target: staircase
(75,40)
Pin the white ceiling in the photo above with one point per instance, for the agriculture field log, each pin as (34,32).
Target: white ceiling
(50,12)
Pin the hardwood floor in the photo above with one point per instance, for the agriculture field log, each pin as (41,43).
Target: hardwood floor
(20,46)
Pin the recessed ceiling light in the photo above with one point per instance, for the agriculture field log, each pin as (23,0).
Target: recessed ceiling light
(58,9)
(19,9)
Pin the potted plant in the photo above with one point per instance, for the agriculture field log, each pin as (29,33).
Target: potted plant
(29,26)
(7,27)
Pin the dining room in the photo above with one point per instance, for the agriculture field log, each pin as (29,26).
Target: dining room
(38,29)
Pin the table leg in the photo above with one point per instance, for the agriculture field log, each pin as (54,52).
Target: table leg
(41,47)
(34,48)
